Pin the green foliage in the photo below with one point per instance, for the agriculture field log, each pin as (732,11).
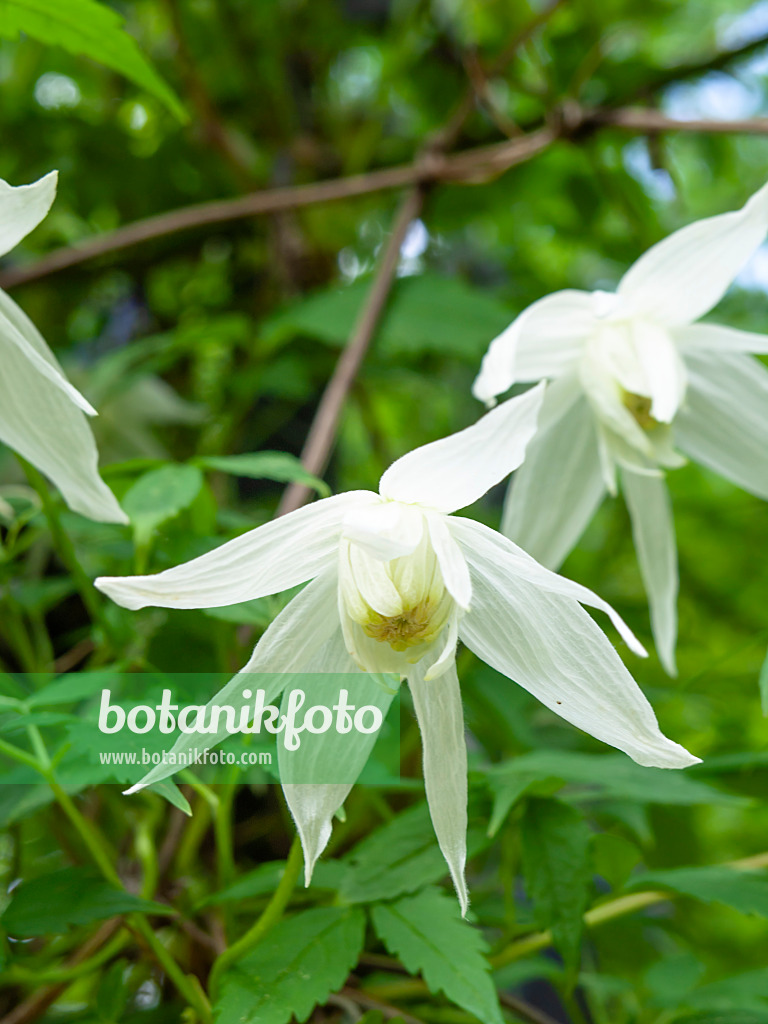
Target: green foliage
(278,466)
(428,935)
(318,946)
(160,495)
(399,857)
(746,891)
(72,896)
(593,777)
(558,871)
(89,28)
(426,314)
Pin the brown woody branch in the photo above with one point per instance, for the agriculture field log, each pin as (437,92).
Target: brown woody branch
(492,159)
(471,165)
(319,442)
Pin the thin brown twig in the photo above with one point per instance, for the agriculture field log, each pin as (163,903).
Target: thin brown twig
(642,119)
(33,1007)
(387,1011)
(496,157)
(67,661)
(678,72)
(212,128)
(322,434)
(482,90)
(470,165)
(317,448)
(529,1013)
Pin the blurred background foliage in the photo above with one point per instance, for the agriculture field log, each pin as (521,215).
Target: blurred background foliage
(218,341)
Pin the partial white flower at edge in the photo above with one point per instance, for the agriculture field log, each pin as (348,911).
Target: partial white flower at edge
(42,416)
(635,382)
(409,580)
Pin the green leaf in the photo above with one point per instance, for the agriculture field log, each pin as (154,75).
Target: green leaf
(399,857)
(87,28)
(747,990)
(614,858)
(558,873)
(303,960)
(258,612)
(169,791)
(67,689)
(72,896)
(746,891)
(280,466)
(41,595)
(263,880)
(160,495)
(596,777)
(428,935)
(424,314)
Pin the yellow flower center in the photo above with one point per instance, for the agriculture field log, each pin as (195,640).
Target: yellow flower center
(413,627)
(640,408)
(402,602)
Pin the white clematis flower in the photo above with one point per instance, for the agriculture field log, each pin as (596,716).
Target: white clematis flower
(42,416)
(636,381)
(409,580)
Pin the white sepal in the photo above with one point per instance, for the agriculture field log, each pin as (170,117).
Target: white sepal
(653,529)
(271,558)
(724,422)
(456,470)
(549,645)
(41,421)
(480,542)
(22,207)
(545,340)
(682,277)
(554,494)
(441,721)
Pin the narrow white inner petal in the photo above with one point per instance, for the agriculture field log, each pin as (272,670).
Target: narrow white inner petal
(635,380)
(395,611)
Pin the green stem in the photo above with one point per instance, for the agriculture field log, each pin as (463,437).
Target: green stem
(18,635)
(269,918)
(222,830)
(17,754)
(598,915)
(96,845)
(66,551)
(185,984)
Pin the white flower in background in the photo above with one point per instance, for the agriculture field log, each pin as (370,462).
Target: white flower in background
(409,580)
(635,380)
(42,416)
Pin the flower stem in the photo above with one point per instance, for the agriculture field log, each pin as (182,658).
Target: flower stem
(268,919)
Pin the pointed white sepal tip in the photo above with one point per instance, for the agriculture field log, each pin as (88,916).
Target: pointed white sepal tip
(674,756)
(463,896)
(309,868)
(483,393)
(115,588)
(668,663)
(137,788)
(637,647)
